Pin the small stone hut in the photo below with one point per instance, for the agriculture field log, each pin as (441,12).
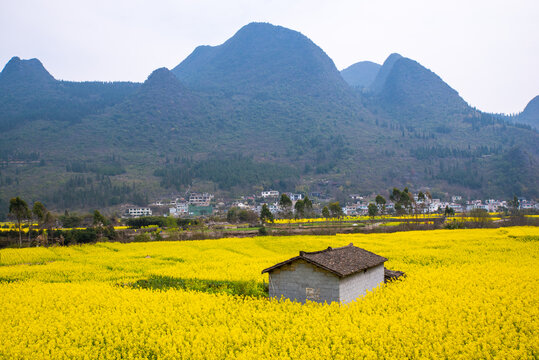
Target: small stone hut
(334,274)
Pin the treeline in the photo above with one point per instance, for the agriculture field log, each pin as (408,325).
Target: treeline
(81,191)
(49,99)
(431,152)
(161,221)
(109,167)
(225,172)
(466,174)
(14,155)
(480,119)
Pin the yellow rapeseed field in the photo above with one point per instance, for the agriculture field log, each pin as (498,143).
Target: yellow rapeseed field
(468,294)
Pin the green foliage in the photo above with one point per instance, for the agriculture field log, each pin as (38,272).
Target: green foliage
(98,219)
(235,215)
(262,230)
(373,209)
(18,208)
(325,212)
(109,167)
(285,201)
(142,237)
(265,214)
(267,85)
(82,192)
(160,221)
(242,288)
(72,237)
(39,211)
(440,152)
(335,209)
(300,209)
(225,172)
(71,220)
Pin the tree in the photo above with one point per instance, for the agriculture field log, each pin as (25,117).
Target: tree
(285,201)
(325,212)
(38,212)
(398,209)
(19,209)
(514,205)
(232,215)
(419,206)
(300,209)
(286,205)
(308,207)
(405,200)
(99,220)
(373,210)
(395,195)
(381,202)
(449,211)
(335,209)
(265,214)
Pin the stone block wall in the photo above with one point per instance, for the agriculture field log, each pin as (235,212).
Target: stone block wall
(353,286)
(302,281)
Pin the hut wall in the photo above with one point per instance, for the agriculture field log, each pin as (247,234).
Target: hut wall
(302,281)
(353,286)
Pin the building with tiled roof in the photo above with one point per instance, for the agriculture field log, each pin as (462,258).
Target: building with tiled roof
(334,274)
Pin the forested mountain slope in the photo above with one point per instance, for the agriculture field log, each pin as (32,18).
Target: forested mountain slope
(269,104)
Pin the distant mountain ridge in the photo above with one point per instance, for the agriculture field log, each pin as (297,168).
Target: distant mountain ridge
(262,57)
(361,75)
(267,98)
(530,114)
(31,70)
(28,92)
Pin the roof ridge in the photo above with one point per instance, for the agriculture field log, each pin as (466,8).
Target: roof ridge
(302,253)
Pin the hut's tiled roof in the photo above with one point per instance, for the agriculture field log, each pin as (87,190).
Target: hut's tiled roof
(343,261)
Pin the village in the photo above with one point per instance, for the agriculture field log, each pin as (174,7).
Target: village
(206,204)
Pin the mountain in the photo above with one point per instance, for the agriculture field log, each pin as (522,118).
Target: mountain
(263,60)
(25,72)
(28,92)
(361,75)
(530,115)
(379,81)
(414,94)
(266,109)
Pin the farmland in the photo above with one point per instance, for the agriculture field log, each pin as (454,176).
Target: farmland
(467,294)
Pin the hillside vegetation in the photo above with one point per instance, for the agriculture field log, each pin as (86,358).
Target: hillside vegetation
(270,95)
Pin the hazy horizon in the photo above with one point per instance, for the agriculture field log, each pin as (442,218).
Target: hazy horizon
(486,51)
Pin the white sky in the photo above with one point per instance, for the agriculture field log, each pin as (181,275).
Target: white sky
(487,50)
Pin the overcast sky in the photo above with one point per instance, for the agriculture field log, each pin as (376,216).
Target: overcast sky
(487,50)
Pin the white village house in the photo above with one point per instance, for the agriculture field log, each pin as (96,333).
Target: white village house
(138,212)
(340,274)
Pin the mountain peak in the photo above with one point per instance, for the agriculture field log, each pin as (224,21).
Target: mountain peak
(378,84)
(162,79)
(414,92)
(161,74)
(361,74)
(530,115)
(31,70)
(260,57)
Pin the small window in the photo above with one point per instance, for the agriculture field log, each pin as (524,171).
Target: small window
(312,294)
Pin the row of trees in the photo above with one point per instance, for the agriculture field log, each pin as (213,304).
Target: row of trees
(18,208)
(21,212)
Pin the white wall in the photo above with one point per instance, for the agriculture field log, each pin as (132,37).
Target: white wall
(300,280)
(353,286)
